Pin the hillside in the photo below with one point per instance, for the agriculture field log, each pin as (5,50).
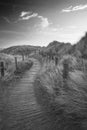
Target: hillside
(79,49)
(81,46)
(53,47)
(56,47)
(20,50)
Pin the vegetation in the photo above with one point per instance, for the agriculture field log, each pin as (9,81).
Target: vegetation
(61,85)
(64,98)
(20,50)
(10,66)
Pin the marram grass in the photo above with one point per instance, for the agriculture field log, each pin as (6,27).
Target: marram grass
(64,99)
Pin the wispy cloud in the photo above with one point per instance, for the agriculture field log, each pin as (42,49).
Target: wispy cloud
(75,8)
(24,13)
(28,15)
(23,16)
(6,19)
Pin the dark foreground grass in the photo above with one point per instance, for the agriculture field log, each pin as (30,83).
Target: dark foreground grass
(65,102)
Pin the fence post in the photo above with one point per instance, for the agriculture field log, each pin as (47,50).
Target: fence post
(83,63)
(56,60)
(2,69)
(16,63)
(23,57)
(65,70)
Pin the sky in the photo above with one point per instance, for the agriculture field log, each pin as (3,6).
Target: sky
(39,22)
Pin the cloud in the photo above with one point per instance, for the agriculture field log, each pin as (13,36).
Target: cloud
(76,8)
(28,15)
(6,19)
(24,13)
(72,27)
(44,22)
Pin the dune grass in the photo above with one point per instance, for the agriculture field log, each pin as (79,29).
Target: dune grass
(10,67)
(66,99)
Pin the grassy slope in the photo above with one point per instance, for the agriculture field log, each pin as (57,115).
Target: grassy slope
(19,50)
(9,64)
(65,99)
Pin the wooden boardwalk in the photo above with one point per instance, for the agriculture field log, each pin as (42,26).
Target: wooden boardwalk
(21,110)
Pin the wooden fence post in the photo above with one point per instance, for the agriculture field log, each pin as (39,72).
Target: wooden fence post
(56,60)
(2,69)
(23,57)
(65,70)
(16,65)
(83,63)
